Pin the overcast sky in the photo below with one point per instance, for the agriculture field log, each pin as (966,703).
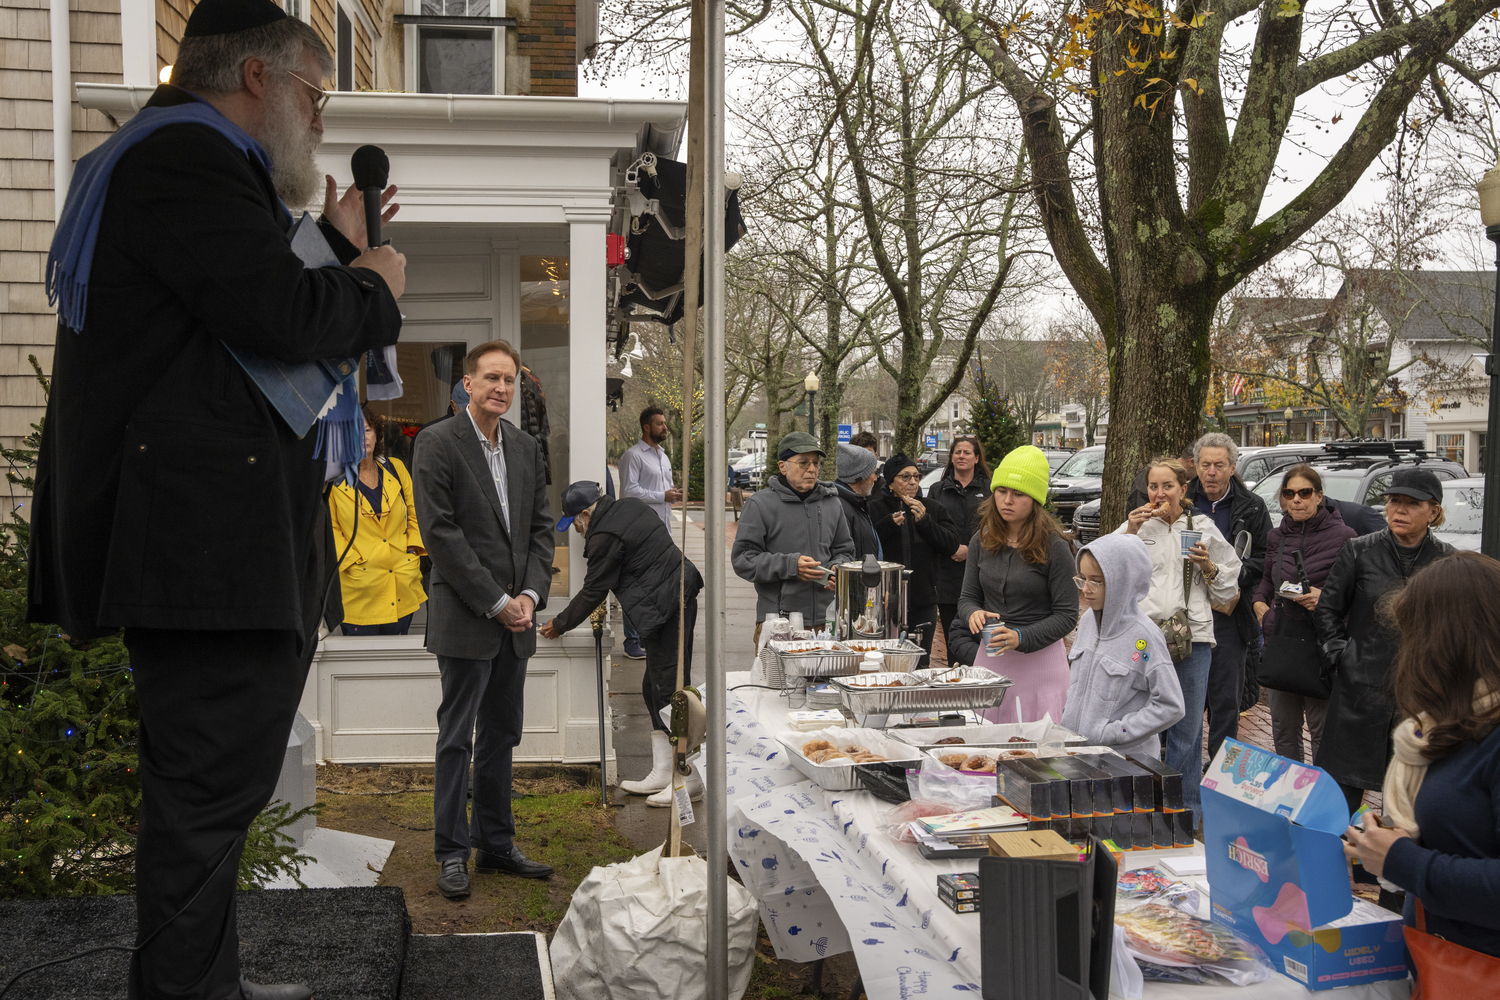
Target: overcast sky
(1310,141)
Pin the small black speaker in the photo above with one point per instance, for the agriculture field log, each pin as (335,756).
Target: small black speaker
(1047,927)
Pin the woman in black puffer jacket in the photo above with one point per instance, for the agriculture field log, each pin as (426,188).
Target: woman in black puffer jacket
(962,491)
(919,536)
(1315,528)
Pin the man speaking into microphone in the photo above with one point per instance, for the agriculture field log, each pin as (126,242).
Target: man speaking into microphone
(173,501)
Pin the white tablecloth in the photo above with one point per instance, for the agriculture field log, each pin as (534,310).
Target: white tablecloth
(829,880)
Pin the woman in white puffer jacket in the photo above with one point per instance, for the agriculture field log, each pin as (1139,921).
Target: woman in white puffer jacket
(1212,574)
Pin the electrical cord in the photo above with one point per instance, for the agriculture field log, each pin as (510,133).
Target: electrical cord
(130,949)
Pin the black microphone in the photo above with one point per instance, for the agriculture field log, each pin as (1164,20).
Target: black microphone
(372,169)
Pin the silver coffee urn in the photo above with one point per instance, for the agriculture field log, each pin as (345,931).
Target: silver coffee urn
(871,600)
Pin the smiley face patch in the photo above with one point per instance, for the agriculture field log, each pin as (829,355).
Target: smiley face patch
(1140,644)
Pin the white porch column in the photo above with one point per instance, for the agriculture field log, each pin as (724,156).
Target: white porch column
(586,309)
(138,41)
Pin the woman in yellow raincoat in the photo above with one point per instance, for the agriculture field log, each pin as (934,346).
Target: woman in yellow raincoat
(380,575)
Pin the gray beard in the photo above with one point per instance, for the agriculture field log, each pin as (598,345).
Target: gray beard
(292,145)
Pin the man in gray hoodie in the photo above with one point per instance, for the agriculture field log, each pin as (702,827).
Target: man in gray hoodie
(789,533)
(1123,691)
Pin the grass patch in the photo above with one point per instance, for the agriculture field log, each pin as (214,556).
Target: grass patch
(559,823)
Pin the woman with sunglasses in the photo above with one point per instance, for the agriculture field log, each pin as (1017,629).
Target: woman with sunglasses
(1313,527)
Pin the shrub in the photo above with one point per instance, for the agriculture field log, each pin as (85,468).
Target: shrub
(69,778)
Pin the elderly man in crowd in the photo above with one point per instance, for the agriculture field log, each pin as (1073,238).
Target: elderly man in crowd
(790,533)
(172,501)
(857,473)
(1218,494)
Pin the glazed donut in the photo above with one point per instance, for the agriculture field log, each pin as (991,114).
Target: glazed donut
(824,756)
(813,746)
(1013,754)
(953,759)
(979,762)
(950,741)
(855,749)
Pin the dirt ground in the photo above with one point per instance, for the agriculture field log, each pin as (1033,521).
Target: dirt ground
(559,822)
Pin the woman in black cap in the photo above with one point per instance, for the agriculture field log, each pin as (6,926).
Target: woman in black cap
(1354,635)
(918,535)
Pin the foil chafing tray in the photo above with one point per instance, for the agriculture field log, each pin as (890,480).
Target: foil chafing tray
(874,694)
(901,655)
(844,777)
(806,658)
(991,736)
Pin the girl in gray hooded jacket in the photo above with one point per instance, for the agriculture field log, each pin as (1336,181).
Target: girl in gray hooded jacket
(1122,688)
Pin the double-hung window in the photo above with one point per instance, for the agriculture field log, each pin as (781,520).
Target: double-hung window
(456,46)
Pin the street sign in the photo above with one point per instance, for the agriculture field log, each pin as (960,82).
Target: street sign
(932,440)
(758,435)
(760,427)
(846,431)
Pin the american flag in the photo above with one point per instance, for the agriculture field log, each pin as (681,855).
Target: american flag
(1236,386)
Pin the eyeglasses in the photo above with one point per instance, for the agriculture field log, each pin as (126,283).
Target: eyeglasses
(320,101)
(907,477)
(1306,493)
(1084,584)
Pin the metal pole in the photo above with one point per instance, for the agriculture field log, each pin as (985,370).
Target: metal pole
(715,489)
(62,104)
(1489,537)
(598,622)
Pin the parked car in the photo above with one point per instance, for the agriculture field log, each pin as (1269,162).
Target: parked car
(1076,482)
(736,454)
(1360,471)
(1257,463)
(749,471)
(1056,457)
(1086,521)
(931,479)
(932,460)
(1463,510)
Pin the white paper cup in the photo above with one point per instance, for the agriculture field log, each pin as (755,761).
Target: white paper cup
(1189,539)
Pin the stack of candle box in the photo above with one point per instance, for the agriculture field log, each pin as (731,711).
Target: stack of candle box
(959,891)
(1135,804)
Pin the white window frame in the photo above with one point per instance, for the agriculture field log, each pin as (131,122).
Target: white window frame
(413,50)
(303,11)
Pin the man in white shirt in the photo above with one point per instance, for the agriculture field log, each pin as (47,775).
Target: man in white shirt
(646,474)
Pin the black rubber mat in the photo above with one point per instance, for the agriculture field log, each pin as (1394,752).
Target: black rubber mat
(348,944)
(473,967)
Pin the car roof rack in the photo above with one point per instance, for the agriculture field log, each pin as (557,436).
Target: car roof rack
(1378,447)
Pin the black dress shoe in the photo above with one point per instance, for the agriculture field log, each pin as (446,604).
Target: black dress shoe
(274,991)
(514,863)
(454,881)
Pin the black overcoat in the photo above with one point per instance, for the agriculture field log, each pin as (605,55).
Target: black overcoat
(169,493)
(1356,744)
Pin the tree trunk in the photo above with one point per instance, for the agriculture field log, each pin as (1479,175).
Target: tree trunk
(1161,352)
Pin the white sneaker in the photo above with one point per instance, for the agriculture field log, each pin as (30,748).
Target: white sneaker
(661,767)
(663,798)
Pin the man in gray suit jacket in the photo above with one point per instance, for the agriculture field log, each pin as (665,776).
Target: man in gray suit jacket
(482,505)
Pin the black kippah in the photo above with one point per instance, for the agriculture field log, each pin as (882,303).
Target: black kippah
(220,17)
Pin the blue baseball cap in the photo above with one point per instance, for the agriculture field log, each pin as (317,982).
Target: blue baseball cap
(458,395)
(576,499)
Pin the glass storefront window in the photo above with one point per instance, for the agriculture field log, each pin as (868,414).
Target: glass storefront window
(1451,447)
(545,299)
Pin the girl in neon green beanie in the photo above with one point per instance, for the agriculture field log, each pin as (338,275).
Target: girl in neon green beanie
(1019,576)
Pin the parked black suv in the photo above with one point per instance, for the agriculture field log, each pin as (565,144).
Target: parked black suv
(1076,482)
